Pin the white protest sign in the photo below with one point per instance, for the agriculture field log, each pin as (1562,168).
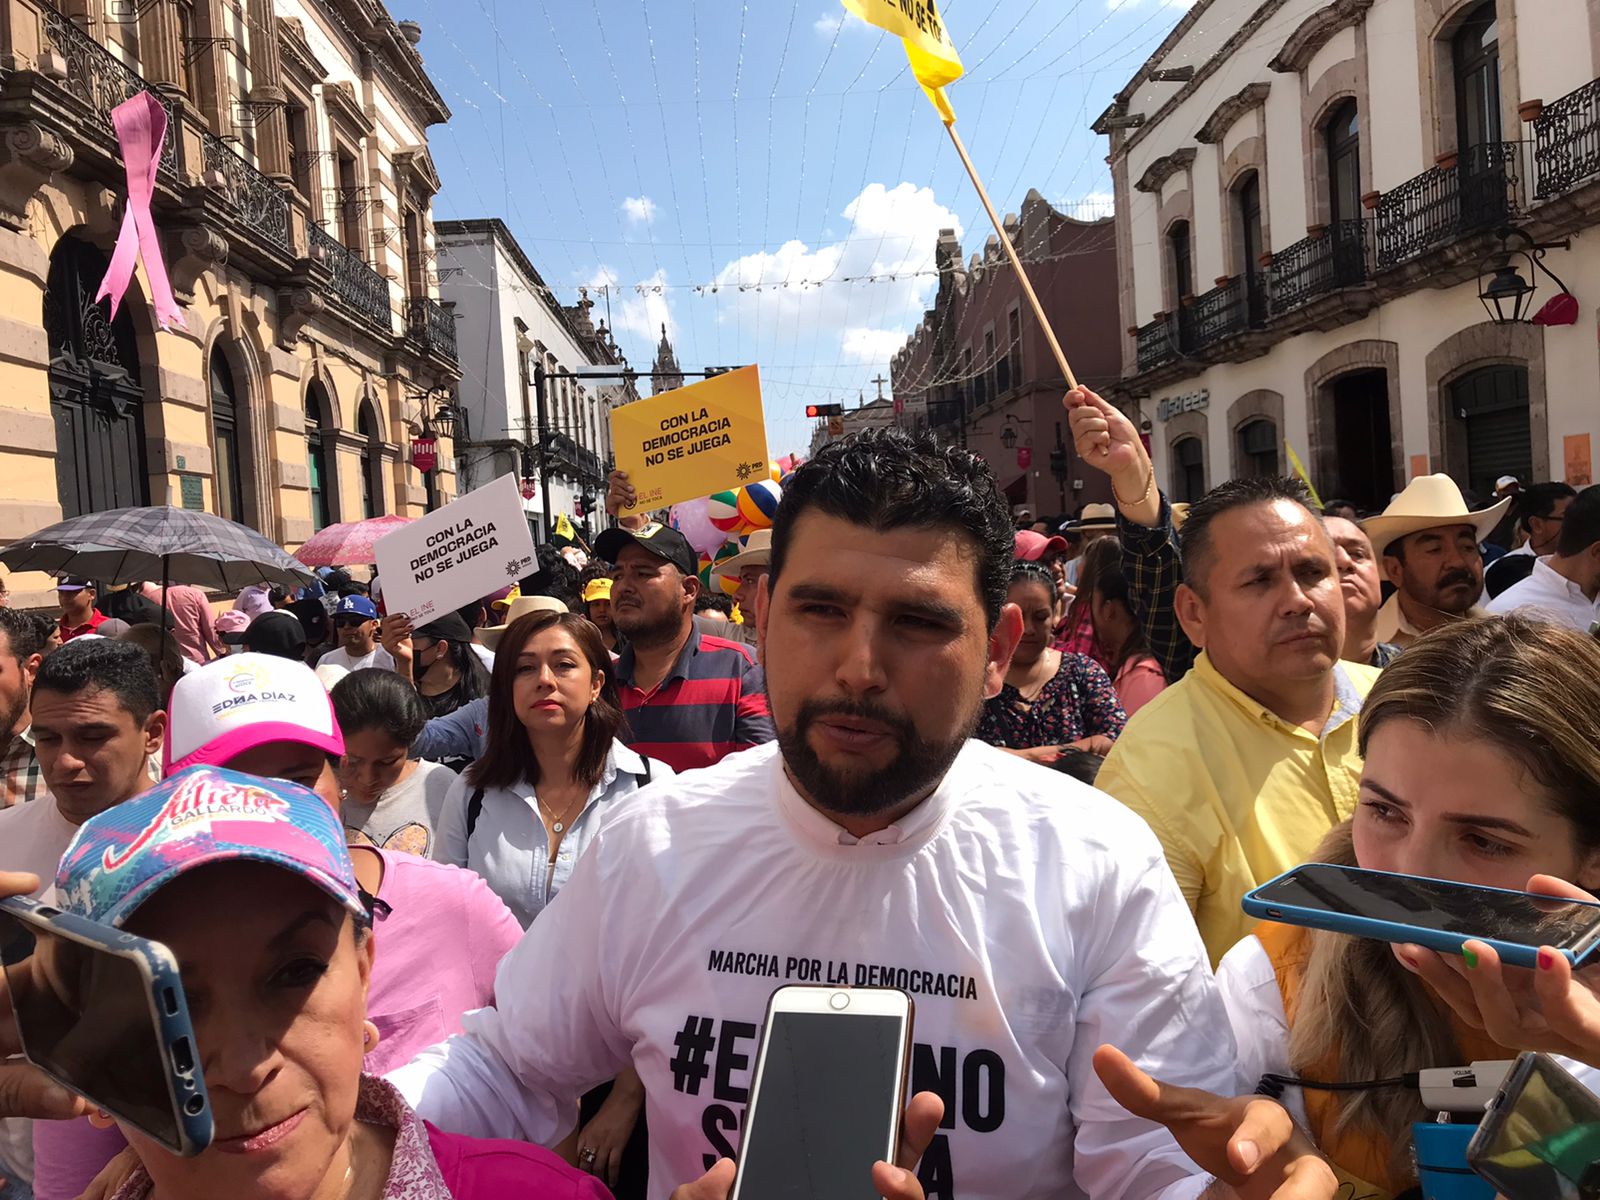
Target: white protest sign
(464,551)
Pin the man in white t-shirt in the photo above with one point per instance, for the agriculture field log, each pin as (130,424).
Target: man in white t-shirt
(96,722)
(355,621)
(1032,918)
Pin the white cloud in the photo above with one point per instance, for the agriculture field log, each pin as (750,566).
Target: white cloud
(640,210)
(1089,208)
(872,345)
(828,24)
(641,308)
(889,246)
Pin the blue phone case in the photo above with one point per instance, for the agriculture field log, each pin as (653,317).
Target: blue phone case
(169,1009)
(1389,931)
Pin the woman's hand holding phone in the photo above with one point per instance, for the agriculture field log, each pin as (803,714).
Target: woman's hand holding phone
(25,1091)
(1553,1007)
(893,1182)
(1249,1143)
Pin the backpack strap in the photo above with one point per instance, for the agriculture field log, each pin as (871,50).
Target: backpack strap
(474,810)
(644,778)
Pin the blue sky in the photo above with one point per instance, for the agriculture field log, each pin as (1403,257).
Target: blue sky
(704,149)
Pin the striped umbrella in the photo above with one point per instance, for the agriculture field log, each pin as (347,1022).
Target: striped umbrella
(157,542)
(347,542)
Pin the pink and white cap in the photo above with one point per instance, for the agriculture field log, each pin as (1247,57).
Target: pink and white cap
(243,701)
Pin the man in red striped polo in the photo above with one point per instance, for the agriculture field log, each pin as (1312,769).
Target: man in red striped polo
(690,698)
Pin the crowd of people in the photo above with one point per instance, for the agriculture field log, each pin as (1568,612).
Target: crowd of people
(535,867)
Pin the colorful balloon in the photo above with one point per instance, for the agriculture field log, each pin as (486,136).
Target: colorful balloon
(691,519)
(723,510)
(758,503)
(709,580)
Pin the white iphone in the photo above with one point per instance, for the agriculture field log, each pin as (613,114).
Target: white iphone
(829,1088)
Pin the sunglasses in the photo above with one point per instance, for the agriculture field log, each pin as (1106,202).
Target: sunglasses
(347,622)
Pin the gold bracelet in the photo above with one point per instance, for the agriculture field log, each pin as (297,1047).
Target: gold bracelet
(1149,482)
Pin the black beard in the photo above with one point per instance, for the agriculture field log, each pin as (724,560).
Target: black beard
(914,771)
(645,630)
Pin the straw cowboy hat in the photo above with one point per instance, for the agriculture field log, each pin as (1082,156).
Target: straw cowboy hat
(1429,502)
(490,635)
(757,552)
(1095,518)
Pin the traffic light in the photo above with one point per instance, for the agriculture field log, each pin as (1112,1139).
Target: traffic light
(824,410)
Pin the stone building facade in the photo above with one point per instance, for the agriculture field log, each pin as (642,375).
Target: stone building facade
(978,368)
(293,202)
(1311,197)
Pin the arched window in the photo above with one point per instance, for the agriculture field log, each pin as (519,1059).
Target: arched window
(228,475)
(1188,470)
(1180,260)
(371,464)
(1492,404)
(1342,144)
(1247,196)
(321,483)
(1258,449)
(1475,55)
(96,398)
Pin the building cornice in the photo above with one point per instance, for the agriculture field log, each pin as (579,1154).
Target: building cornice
(1203,72)
(1248,98)
(1315,32)
(1164,168)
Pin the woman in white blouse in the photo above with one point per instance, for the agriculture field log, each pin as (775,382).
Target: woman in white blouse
(1476,772)
(520,816)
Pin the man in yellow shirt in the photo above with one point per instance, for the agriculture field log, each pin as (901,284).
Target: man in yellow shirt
(1244,764)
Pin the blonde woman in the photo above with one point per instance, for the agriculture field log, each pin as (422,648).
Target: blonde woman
(1482,765)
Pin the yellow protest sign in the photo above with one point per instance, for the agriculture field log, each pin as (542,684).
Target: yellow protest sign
(917,24)
(692,441)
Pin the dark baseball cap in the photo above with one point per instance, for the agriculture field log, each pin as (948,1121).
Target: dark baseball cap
(276,632)
(665,542)
(74,583)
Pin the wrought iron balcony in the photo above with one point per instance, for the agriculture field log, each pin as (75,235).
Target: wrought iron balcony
(101,81)
(1478,192)
(355,285)
(1318,265)
(432,324)
(263,205)
(1156,344)
(1566,141)
(563,455)
(1226,310)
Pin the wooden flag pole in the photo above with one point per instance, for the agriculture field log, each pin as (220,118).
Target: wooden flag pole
(1016,263)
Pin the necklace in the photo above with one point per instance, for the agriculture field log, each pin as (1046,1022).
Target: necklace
(557,824)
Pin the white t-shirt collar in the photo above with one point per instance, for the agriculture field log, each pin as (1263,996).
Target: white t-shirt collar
(816,831)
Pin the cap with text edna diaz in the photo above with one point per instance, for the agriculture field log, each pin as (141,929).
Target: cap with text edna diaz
(200,816)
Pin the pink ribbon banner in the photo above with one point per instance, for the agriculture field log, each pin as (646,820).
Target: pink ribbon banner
(141,125)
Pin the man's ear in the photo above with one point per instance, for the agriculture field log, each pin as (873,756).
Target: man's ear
(30,667)
(1002,645)
(1191,610)
(1393,569)
(155,730)
(763,611)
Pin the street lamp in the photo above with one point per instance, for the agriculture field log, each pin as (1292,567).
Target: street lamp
(1008,437)
(1507,296)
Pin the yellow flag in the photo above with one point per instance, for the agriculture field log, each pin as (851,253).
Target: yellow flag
(564,528)
(1300,470)
(917,23)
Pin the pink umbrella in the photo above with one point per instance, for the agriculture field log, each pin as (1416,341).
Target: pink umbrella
(347,542)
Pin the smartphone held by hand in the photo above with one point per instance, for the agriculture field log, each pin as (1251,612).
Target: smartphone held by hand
(1540,1139)
(103,1013)
(828,1093)
(1437,913)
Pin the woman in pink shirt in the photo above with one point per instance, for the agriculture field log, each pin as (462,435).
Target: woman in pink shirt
(1135,673)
